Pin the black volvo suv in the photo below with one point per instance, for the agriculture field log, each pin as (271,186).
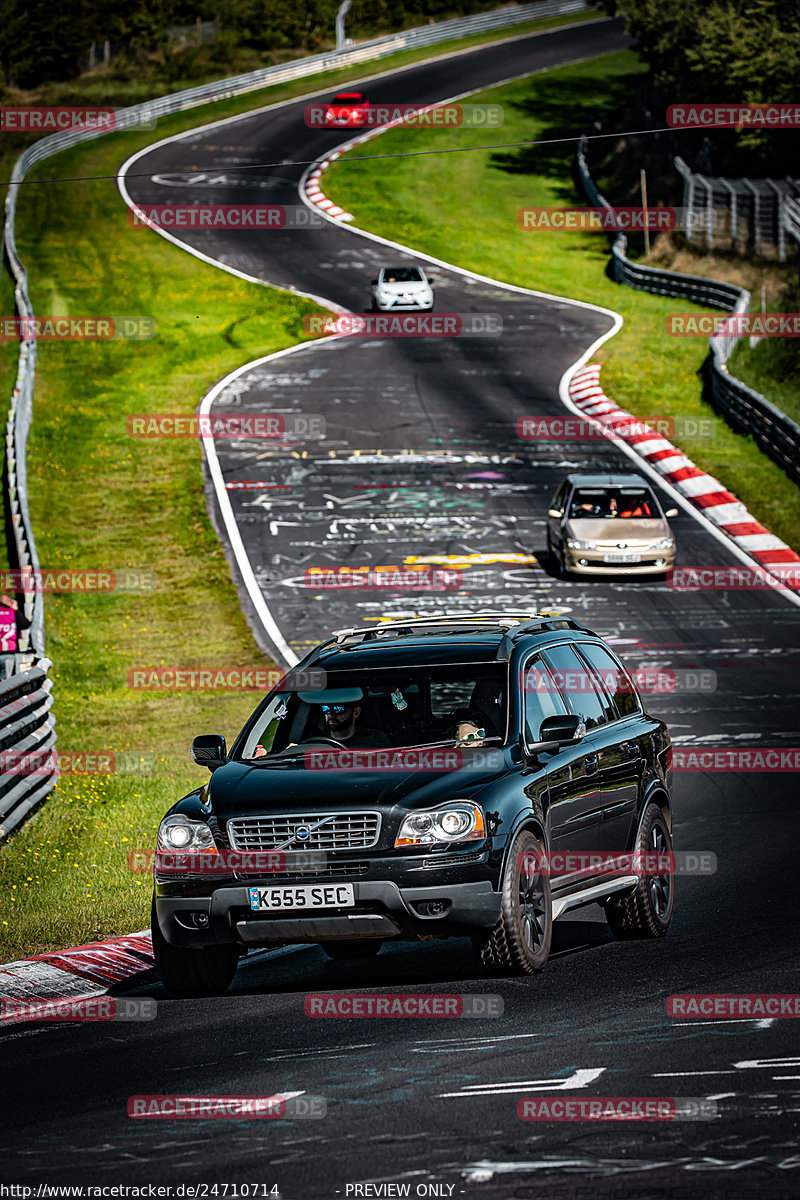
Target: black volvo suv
(438,777)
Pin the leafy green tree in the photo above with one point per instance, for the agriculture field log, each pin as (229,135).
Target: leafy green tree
(725,51)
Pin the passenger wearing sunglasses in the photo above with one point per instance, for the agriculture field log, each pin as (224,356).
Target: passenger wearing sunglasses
(341,720)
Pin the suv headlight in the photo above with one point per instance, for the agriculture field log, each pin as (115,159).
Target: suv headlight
(459,821)
(179,833)
(666,543)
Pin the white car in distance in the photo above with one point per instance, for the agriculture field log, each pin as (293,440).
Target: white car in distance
(401,289)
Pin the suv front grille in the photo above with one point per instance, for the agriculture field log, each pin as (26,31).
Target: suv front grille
(344,867)
(327,831)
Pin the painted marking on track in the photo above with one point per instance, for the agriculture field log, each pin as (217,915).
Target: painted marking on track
(767,1064)
(580,1078)
(686,1074)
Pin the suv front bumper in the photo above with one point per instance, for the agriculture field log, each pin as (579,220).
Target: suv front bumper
(382,910)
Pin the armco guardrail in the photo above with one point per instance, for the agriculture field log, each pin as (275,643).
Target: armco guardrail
(28,766)
(20,539)
(745,409)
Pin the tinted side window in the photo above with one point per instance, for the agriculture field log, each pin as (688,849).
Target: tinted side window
(615,680)
(578,685)
(541,696)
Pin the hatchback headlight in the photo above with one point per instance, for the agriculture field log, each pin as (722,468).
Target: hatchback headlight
(179,833)
(577,544)
(458,821)
(666,543)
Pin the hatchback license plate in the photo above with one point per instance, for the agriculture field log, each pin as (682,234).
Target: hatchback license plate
(324,895)
(622,558)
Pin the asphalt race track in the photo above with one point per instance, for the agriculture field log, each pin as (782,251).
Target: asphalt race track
(420,460)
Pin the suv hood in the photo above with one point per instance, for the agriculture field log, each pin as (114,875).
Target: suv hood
(239,789)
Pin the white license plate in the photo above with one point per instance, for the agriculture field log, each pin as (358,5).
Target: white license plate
(622,558)
(314,895)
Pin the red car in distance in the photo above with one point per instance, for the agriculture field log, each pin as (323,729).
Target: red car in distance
(348,109)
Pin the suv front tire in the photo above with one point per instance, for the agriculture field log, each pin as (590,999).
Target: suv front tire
(520,941)
(186,972)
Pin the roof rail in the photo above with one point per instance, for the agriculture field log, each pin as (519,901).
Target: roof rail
(552,621)
(507,620)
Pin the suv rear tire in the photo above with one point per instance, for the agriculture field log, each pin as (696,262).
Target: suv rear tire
(646,912)
(520,941)
(346,950)
(186,972)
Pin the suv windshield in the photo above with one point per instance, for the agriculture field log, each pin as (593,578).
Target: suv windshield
(606,503)
(402,275)
(385,707)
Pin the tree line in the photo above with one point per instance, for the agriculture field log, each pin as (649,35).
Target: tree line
(724,52)
(42,42)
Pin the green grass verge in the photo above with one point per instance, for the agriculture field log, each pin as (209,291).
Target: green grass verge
(421,201)
(771,368)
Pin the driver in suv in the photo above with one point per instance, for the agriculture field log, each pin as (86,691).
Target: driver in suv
(343,725)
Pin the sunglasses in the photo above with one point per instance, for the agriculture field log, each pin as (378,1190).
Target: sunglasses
(474,737)
(336,709)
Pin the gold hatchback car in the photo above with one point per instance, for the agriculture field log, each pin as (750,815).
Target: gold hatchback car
(609,524)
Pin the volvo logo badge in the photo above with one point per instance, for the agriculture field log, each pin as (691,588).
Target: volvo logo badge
(301,833)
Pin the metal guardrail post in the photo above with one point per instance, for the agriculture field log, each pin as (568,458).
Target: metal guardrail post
(341,13)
